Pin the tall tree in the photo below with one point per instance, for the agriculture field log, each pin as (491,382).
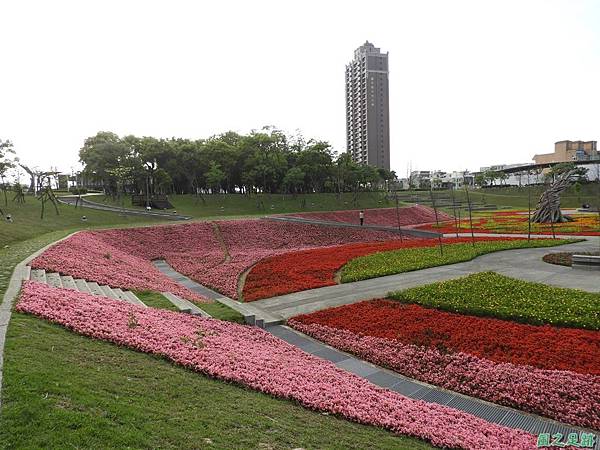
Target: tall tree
(101,154)
(214,177)
(7,162)
(294,179)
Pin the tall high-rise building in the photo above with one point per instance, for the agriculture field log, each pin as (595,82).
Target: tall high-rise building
(367,107)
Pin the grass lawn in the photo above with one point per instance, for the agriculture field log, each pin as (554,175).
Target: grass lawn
(261,204)
(493,295)
(67,391)
(62,390)
(406,260)
(27,223)
(155,300)
(215,309)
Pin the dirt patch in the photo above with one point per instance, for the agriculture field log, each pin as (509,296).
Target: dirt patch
(221,240)
(565,258)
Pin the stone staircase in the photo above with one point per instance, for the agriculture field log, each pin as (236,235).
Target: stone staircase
(184,305)
(89,287)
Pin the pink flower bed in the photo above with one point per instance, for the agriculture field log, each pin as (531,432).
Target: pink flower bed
(562,395)
(192,249)
(409,216)
(249,241)
(254,358)
(86,255)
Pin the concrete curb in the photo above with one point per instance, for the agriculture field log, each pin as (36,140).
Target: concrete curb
(13,289)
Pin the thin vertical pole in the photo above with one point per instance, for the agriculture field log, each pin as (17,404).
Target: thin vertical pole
(398,216)
(470,216)
(529,208)
(437,222)
(454,209)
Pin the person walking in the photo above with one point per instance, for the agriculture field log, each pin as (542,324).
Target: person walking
(361,216)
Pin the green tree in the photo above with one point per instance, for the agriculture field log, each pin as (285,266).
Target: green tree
(294,179)
(7,162)
(480,179)
(214,177)
(101,154)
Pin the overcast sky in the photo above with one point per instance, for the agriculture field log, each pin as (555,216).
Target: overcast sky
(472,83)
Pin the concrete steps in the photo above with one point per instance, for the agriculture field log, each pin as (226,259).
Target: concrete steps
(184,305)
(253,315)
(89,287)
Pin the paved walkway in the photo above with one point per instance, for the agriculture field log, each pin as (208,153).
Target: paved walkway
(524,264)
(70,200)
(388,379)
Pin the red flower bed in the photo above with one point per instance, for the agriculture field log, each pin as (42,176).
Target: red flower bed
(545,347)
(313,268)
(249,241)
(410,215)
(517,222)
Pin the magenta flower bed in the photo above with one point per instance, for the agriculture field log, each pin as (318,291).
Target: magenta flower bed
(562,395)
(194,250)
(249,241)
(254,358)
(86,255)
(387,217)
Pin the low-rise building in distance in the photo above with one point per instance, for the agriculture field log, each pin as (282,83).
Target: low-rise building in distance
(569,151)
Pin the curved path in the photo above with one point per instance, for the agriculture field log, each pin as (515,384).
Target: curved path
(71,200)
(524,264)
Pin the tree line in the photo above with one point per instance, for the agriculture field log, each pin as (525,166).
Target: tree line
(265,160)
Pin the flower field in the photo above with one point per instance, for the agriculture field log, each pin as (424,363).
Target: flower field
(122,257)
(87,255)
(317,267)
(510,342)
(260,361)
(493,295)
(249,241)
(501,341)
(517,222)
(562,395)
(388,217)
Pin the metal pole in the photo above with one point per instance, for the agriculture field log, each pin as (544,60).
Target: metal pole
(398,217)
(437,222)
(454,209)
(470,216)
(529,208)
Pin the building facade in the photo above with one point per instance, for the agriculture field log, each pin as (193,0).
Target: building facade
(569,151)
(367,107)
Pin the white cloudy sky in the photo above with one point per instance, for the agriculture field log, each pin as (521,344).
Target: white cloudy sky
(471,82)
